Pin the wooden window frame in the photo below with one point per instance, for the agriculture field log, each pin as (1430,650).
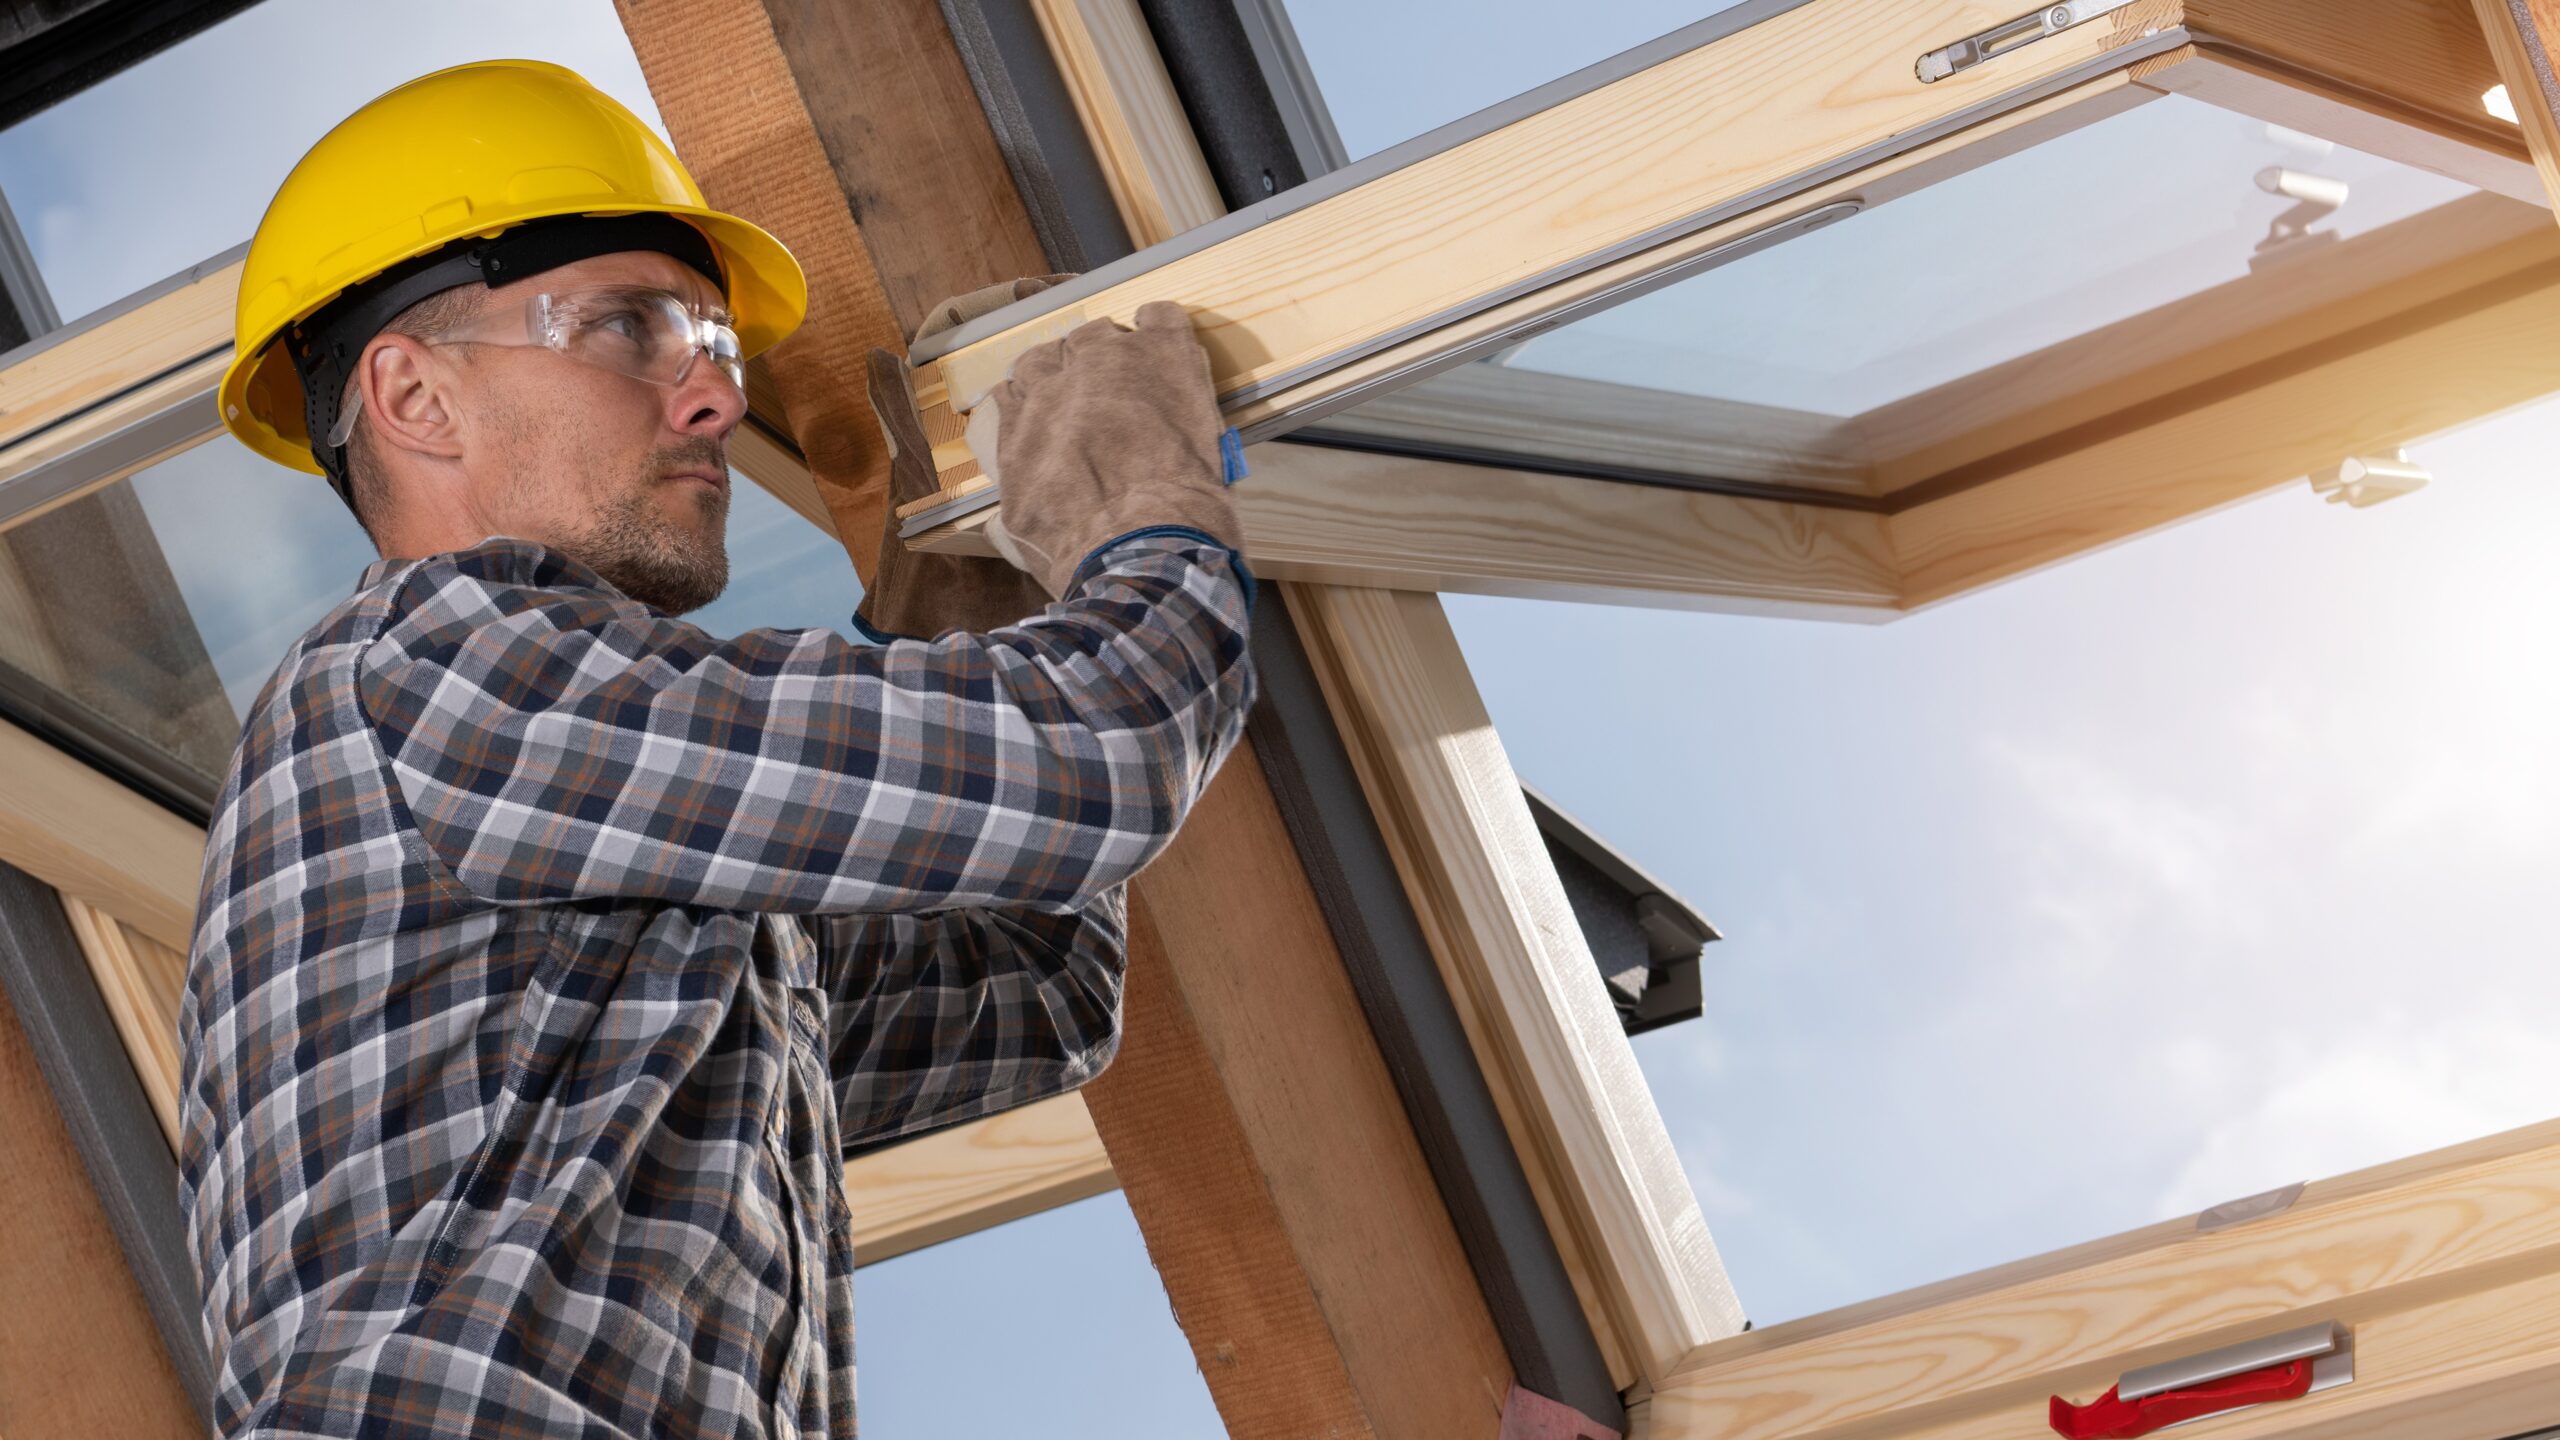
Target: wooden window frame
(2128,451)
(1436,776)
(2454,1244)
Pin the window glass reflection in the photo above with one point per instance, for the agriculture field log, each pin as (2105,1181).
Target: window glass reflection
(1391,72)
(152,612)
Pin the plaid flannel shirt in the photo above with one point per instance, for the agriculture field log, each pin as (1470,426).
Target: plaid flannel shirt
(551,951)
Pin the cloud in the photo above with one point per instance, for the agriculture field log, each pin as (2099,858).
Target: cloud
(2378,1094)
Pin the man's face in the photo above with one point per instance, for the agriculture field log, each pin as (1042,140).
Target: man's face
(627,477)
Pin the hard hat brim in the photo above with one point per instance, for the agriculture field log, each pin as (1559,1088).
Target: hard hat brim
(261,395)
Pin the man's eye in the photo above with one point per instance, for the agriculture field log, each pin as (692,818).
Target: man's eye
(625,324)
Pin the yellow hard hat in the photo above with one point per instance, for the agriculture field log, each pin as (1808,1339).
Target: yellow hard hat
(468,174)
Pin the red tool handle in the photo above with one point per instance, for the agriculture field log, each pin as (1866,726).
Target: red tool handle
(2110,1418)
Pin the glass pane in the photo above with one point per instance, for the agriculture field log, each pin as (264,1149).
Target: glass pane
(155,168)
(2137,238)
(148,616)
(1051,1325)
(2066,237)
(1391,72)
(2179,872)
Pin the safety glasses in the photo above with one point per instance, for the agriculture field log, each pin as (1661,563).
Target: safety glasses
(635,330)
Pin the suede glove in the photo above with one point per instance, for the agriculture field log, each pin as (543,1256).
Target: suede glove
(917,595)
(1102,433)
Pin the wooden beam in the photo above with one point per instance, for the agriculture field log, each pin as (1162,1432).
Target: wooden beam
(79,1353)
(1350,517)
(141,981)
(2520,34)
(2442,1264)
(969,1178)
(747,138)
(1514,959)
(912,153)
(101,358)
(1496,409)
(1264,1151)
(1159,180)
(96,841)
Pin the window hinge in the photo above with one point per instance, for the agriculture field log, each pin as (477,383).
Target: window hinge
(1999,40)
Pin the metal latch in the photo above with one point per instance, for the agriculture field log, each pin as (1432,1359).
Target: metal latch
(1999,40)
(2253,1372)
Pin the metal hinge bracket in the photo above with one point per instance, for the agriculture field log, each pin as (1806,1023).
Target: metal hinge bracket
(2000,39)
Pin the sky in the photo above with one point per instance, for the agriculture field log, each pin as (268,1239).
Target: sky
(2182,871)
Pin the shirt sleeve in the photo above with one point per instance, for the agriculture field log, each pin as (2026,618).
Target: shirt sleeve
(938,1018)
(555,741)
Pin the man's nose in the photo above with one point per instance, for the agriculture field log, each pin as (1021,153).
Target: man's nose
(705,401)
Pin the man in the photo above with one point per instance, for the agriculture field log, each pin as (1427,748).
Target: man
(551,950)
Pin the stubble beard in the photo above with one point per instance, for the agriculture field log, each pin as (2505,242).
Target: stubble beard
(663,566)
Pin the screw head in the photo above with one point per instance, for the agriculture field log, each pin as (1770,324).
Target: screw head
(2059,17)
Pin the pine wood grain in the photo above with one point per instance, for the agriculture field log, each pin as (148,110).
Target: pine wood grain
(2447,1267)
(99,362)
(975,1176)
(141,981)
(91,838)
(1349,517)
(1515,960)
(1159,180)
(79,1354)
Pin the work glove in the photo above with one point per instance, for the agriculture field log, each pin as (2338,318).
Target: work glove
(1105,432)
(917,595)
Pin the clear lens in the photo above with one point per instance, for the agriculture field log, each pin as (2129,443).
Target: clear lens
(644,333)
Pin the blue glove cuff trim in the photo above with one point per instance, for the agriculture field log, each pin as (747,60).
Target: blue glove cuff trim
(874,633)
(1231,457)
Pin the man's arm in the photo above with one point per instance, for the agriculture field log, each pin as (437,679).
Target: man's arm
(556,742)
(934,1019)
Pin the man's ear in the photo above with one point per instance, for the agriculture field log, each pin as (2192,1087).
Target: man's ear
(408,397)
